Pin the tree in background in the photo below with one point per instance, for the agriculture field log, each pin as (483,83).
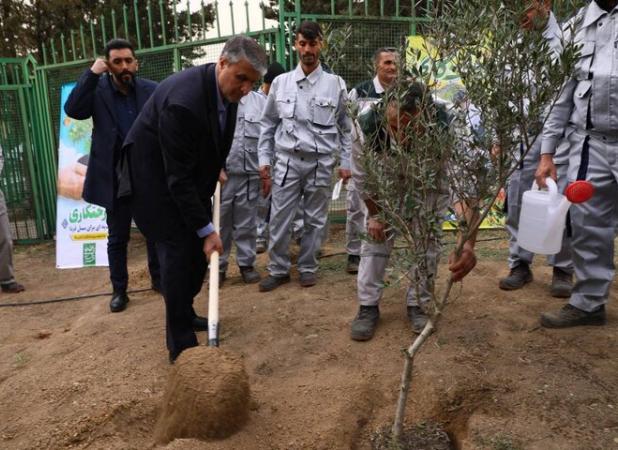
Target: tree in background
(25,27)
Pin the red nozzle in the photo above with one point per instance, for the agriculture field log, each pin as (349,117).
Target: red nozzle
(579,191)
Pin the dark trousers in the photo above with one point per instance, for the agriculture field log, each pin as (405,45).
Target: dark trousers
(119,229)
(183,268)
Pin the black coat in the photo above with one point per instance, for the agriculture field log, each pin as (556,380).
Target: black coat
(174,152)
(93,97)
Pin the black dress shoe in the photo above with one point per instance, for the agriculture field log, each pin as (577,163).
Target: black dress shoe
(200,323)
(119,302)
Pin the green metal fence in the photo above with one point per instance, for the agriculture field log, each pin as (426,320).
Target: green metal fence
(166,42)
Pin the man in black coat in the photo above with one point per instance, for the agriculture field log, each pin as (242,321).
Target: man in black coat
(175,152)
(113,96)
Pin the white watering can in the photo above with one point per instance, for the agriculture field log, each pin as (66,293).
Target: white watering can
(543,215)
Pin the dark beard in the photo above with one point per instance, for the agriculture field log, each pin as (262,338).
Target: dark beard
(120,78)
(607,5)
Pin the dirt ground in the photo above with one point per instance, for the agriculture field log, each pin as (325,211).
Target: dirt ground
(73,375)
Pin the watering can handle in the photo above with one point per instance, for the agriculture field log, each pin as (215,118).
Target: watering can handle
(552,187)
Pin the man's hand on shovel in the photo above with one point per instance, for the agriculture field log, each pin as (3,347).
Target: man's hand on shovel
(212,243)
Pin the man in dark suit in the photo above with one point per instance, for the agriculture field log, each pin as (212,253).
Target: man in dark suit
(175,152)
(113,96)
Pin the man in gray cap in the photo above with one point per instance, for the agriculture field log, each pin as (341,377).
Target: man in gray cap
(304,125)
(586,114)
(241,189)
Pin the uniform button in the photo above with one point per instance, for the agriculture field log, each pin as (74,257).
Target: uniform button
(600,24)
(300,87)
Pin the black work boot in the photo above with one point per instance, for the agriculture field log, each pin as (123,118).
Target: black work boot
(118,302)
(418,318)
(570,316)
(249,275)
(365,323)
(561,283)
(518,277)
(271,282)
(353,262)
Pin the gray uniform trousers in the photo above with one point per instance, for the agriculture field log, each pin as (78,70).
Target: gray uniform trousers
(355,221)
(372,268)
(294,180)
(373,263)
(239,199)
(593,222)
(6,245)
(263,209)
(519,182)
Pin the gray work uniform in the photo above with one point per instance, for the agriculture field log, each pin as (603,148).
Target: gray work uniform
(356,211)
(263,212)
(587,115)
(521,180)
(375,255)
(304,125)
(6,241)
(239,196)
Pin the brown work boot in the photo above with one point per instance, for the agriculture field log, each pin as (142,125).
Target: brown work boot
(561,283)
(308,279)
(518,277)
(570,316)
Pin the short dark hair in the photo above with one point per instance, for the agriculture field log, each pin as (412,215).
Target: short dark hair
(413,97)
(274,70)
(117,44)
(310,30)
(378,53)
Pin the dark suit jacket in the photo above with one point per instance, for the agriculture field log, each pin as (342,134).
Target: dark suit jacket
(93,97)
(174,152)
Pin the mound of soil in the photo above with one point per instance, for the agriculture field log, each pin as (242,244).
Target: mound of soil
(207,396)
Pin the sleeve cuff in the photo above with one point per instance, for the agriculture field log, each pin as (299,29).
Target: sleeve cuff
(207,230)
(548,146)
(264,161)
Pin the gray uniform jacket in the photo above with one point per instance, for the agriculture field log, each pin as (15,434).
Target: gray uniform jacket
(305,114)
(243,157)
(589,100)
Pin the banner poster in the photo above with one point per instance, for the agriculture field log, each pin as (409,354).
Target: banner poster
(448,84)
(81,228)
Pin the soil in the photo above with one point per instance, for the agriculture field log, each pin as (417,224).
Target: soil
(207,396)
(74,375)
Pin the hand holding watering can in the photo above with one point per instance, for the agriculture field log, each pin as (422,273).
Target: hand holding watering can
(543,215)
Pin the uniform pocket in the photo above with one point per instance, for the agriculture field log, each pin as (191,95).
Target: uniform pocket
(324,171)
(286,106)
(582,66)
(252,127)
(583,89)
(280,171)
(324,111)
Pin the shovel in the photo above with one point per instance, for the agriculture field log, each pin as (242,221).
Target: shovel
(213,284)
